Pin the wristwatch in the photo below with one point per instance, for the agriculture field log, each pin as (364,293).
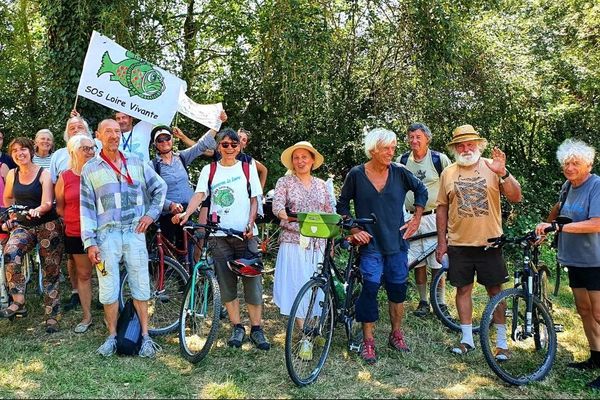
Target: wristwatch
(503,178)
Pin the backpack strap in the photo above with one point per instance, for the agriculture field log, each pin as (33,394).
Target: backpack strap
(437,162)
(156,165)
(404,158)
(246,169)
(563,196)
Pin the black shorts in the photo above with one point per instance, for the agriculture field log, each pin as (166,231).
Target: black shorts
(584,278)
(74,245)
(466,262)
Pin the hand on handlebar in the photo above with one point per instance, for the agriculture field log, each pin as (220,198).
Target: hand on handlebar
(359,238)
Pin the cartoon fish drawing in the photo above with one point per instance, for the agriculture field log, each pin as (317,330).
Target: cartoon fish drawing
(135,74)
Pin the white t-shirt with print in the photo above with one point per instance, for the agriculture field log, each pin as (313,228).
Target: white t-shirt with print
(229,194)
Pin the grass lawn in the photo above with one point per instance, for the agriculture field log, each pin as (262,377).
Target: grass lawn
(35,364)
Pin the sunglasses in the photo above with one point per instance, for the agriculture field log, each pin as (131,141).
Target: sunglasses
(226,145)
(163,139)
(88,148)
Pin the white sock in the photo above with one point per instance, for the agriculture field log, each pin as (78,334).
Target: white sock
(467,334)
(422,289)
(501,336)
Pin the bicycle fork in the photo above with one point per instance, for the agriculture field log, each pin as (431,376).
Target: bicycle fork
(202,311)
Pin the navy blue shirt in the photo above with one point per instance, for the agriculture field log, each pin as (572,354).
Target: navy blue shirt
(387,205)
(6,159)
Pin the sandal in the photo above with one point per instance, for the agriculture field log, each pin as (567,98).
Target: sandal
(82,327)
(51,325)
(462,348)
(7,312)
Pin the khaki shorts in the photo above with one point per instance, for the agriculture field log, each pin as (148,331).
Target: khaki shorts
(418,247)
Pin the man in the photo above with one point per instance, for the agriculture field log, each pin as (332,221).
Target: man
(427,165)
(260,168)
(120,197)
(379,187)
(135,140)
(233,199)
(5,158)
(468,209)
(173,168)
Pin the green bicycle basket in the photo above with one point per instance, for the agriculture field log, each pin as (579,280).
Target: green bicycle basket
(319,225)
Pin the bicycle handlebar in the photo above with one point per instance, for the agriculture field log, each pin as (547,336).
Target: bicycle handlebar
(530,238)
(214,228)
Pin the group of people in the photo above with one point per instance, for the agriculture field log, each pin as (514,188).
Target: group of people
(108,192)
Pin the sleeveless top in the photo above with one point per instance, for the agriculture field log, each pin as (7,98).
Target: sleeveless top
(72,189)
(31,196)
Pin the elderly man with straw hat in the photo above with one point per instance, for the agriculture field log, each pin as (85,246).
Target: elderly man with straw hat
(468,210)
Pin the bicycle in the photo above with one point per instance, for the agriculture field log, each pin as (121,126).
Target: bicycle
(168,279)
(268,236)
(199,317)
(442,302)
(327,298)
(530,329)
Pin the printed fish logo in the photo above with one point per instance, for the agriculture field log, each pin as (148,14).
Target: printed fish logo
(135,74)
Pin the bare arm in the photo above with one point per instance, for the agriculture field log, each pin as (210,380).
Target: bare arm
(441,221)
(511,189)
(178,133)
(4,171)
(262,173)
(47,193)
(8,189)
(60,196)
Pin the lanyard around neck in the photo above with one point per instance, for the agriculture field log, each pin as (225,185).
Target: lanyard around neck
(127,143)
(117,170)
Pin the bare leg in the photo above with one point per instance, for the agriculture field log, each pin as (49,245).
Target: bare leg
(464,304)
(141,306)
(588,306)
(111,314)
(396,314)
(84,284)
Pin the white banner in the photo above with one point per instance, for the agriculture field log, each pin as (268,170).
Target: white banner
(123,81)
(206,114)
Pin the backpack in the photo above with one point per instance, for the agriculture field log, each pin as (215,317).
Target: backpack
(129,331)
(213,171)
(435,157)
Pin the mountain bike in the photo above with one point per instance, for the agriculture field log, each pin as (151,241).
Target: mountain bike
(326,299)
(168,279)
(199,317)
(442,294)
(530,329)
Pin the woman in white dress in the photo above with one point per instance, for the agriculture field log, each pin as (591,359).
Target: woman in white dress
(299,191)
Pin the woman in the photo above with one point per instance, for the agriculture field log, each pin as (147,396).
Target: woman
(299,191)
(579,241)
(30,185)
(44,146)
(81,149)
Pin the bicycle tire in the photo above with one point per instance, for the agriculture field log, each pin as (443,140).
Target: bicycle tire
(195,326)
(315,333)
(163,305)
(268,245)
(449,315)
(531,356)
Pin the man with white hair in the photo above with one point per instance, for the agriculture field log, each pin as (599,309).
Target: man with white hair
(379,187)
(468,210)
(427,165)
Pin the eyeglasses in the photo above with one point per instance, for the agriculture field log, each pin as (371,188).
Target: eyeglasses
(163,139)
(226,145)
(88,148)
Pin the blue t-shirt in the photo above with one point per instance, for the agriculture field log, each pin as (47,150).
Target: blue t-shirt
(387,205)
(582,203)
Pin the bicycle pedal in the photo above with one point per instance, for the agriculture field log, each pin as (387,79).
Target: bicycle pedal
(353,347)
(559,328)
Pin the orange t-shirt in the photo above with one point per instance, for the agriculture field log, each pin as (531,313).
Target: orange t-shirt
(472,195)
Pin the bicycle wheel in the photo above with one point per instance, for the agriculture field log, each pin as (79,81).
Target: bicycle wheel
(309,332)
(199,317)
(443,302)
(164,302)
(531,355)
(268,245)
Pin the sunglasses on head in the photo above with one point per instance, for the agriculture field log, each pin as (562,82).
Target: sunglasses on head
(163,139)
(226,145)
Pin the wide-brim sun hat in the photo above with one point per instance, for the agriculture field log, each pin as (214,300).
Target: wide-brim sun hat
(286,156)
(464,133)
(161,130)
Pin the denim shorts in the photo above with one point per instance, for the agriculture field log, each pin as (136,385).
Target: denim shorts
(377,268)
(123,244)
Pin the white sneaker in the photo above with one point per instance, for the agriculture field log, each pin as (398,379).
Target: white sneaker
(108,348)
(149,348)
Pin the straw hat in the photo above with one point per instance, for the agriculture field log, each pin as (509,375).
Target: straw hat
(286,156)
(464,133)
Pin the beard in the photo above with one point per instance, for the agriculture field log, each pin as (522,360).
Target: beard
(468,158)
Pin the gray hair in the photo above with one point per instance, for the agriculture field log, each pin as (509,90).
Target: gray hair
(419,126)
(575,149)
(44,132)
(481,145)
(83,121)
(73,144)
(378,136)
